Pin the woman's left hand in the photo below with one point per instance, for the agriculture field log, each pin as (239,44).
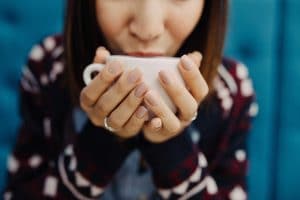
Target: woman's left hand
(166,124)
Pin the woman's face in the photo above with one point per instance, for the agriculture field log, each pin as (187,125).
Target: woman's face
(147,27)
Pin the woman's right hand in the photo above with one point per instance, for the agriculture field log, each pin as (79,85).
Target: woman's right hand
(117,95)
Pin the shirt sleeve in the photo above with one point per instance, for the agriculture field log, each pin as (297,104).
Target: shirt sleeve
(207,170)
(41,165)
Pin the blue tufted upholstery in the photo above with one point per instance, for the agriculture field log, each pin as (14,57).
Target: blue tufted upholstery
(22,24)
(265,35)
(262,33)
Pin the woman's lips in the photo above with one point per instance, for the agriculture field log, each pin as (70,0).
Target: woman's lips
(144,54)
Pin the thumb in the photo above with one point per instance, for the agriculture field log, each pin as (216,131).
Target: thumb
(196,57)
(101,54)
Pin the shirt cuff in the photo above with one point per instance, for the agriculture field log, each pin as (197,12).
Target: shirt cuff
(172,161)
(88,165)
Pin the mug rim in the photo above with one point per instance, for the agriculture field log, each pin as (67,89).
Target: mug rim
(154,58)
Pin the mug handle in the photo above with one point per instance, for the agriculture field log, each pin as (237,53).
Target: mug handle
(87,73)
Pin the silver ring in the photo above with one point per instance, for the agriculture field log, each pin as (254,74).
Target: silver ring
(194,116)
(111,129)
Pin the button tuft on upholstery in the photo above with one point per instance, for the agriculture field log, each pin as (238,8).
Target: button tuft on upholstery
(10,16)
(247,51)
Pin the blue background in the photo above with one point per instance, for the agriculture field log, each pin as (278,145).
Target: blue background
(262,33)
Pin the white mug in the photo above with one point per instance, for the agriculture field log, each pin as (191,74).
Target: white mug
(149,67)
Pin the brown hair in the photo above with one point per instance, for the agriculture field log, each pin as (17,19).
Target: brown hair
(82,37)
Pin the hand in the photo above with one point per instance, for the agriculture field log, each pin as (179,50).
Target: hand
(116,95)
(187,98)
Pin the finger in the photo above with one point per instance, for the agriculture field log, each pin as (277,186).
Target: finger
(155,125)
(136,122)
(169,121)
(153,131)
(193,78)
(95,119)
(196,57)
(125,110)
(99,84)
(118,91)
(179,94)
(101,54)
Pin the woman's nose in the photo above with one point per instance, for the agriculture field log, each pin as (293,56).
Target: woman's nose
(148,21)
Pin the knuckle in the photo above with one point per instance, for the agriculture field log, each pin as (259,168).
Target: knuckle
(202,93)
(194,106)
(101,107)
(189,113)
(186,117)
(83,106)
(205,91)
(132,101)
(134,125)
(105,77)
(82,103)
(136,122)
(115,122)
(160,113)
(96,121)
(85,98)
(120,87)
(175,128)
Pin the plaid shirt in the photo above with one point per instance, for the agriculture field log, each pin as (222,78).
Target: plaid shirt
(60,154)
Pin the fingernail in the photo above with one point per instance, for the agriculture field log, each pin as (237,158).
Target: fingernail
(150,99)
(140,90)
(99,49)
(187,63)
(133,76)
(165,78)
(141,112)
(156,123)
(114,67)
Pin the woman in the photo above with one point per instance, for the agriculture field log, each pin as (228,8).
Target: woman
(74,139)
